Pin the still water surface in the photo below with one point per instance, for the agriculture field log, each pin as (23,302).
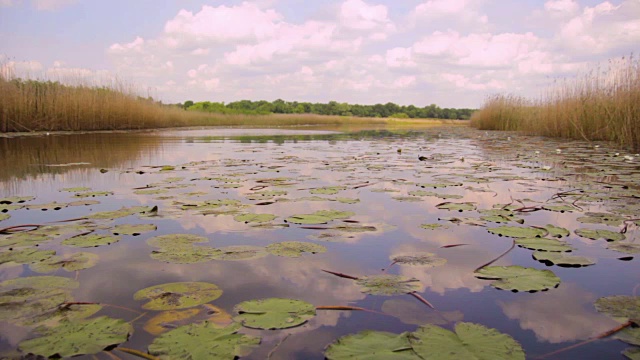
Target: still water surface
(378,172)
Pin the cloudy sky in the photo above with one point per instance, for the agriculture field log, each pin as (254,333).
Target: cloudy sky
(449,52)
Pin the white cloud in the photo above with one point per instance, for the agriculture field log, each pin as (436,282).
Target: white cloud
(561,8)
(435,8)
(134,46)
(51,4)
(357,14)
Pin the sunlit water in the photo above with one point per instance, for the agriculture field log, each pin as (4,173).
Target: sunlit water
(378,170)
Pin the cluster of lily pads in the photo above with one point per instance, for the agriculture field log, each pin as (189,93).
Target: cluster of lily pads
(65,327)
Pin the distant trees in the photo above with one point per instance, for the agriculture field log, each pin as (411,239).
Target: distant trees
(280,106)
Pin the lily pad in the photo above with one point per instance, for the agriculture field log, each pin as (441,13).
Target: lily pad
(123,212)
(518,278)
(46,207)
(133,229)
(595,234)
(470,341)
(74,262)
(543,244)
(518,232)
(172,240)
(422,259)
(559,208)
(254,218)
(93,194)
(432,226)
(15,200)
(601,218)
(203,340)
(274,313)
(319,217)
(23,239)
(26,298)
(77,338)
(76,189)
(179,295)
(563,260)
(452,206)
(557,231)
(371,345)
(328,190)
(25,256)
(62,314)
(185,254)
(294,248)
(630,336)
(91,240)
(627,248)
(240,252)
(632,353)
(4,217)
(620,307)
(387,284)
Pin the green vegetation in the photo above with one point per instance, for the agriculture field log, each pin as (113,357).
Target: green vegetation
(601,105)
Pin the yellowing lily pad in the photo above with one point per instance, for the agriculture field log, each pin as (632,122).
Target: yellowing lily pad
(179,295)
(518,278)
(387,284)
(294,248)
(203,340)
(422,259)
(274,313)
(166,320)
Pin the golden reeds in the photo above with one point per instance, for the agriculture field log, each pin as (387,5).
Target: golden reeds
(599,105)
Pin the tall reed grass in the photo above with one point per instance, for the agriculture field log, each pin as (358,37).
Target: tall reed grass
(603,104)
(43,105)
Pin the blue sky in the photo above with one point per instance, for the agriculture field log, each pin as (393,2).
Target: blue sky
(452,53)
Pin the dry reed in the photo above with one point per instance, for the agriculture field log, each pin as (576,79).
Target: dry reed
(599,105)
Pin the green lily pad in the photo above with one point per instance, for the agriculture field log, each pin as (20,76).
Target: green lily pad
(4,217)
(595,234)
(632,353)
(5,208)
(274,313)
(543,244)
(23,239)
(203,340)
(39,283)
(84,203)
(254,218)
(518,278)
(62,314)
(387,284)
(439,185)
(470,341)
(434,194)
(499,219)
(179,295)
(328,190)
(133,229)
(557,231)
(15,200)
(90,240)
(432,226)
(173,240)
(46,207)
(559,208)
(74,262)
(627,248)
(601,218)
(630,336)
(563,260)
(619,307)
(518,232)
(240,252)
(319,217)
(186,254)
(123,212)
(294,248)
(371,345)
(465,206)
(150,191)
(347,200)
(77,338)
(76,189)
(93,194)
(422,259)
(25,256)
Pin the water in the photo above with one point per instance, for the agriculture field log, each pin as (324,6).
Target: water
(379,170)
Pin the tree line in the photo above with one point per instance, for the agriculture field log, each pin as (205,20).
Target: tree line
(280,106)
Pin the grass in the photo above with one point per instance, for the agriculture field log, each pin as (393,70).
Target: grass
(42,105)
(599,105)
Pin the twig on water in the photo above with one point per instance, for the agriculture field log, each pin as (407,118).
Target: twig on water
(421,299)
(137,353)
(513,244)
(277,346)
(10,229)
(341,275)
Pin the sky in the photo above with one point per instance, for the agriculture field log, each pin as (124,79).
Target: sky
(453,53)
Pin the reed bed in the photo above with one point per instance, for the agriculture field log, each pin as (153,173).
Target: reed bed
(603,104)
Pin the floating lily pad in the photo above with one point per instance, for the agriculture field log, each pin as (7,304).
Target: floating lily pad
(422,259)
(563,260)
(595,234)
(150,191)
(76,189)
(90,240)
(632,353)
(84,203)
(387,284)
(240,252)
(5,208)
(133,229)
(601,218)
(627,248)
(543,244)
(274,313)
(74,262)
(294,248)
(621,308)
(518,278)
(630,336)
(347,200)
(15,200)
(23,239)
(77,338)
(46,207)
(319,217)
(185,254)
(559,208)
(328,190)
(203,340)
(470,341)
(125,211)
(465,206)
(557,231)
(179,295)
(439,185)
(518,232)
(432,226)
(371,345)
(25,256)
(4,217)
(93,194)
(172,240)
(499,219)
(254,218)
(26,298)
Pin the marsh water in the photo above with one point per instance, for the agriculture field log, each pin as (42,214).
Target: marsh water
(397,193)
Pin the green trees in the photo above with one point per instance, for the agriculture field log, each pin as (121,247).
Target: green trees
(280,106)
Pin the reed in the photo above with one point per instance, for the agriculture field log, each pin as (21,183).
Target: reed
(602,104)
